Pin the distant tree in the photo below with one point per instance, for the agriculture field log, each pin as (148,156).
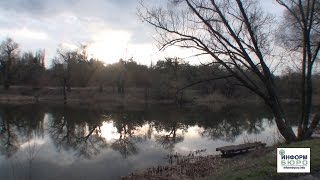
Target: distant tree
(60,74)
(38,68)
(75,68)
(122,76)
(68,59)
(169,77)
(83,69)
(289,84)
(29,69)
(8,54)
(110,76)
(98,74)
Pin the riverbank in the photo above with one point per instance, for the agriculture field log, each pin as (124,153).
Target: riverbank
(132,97)
(259,164)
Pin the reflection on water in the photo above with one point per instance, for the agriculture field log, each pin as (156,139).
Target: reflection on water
(52,142)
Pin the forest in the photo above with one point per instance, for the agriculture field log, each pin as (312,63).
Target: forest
(159,81)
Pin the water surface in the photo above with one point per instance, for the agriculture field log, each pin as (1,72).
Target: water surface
(57,142)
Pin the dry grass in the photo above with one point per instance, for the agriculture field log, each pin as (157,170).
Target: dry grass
(212,98)
(259,164)
(92,95)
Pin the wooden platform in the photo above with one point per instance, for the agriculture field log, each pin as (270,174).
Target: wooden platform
(236,149)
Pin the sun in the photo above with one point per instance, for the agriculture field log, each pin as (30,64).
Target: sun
(109,46)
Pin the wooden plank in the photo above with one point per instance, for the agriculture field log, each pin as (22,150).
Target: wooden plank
(240,148)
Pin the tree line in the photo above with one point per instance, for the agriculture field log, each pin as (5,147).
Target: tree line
(73,69)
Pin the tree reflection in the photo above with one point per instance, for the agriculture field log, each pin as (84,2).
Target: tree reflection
(127,124)
(232,121)
(16,127)
(71,130)
(92,143)
(255,126)
(224,131)
(124,144)
(171,138)
(79,130)
(174,125)
(9,140)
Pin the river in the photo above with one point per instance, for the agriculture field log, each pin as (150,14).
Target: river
(61,142)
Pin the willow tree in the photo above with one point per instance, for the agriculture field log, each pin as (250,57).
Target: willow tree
(235,34)
(300,34)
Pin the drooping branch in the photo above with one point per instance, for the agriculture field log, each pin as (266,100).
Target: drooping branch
(203,81)
(232,34)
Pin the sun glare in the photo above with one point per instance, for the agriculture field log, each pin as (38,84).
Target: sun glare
(108,131)
(109,46)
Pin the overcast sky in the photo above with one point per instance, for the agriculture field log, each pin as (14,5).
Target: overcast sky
(110,27)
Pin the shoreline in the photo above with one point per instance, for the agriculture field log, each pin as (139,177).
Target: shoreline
(195,166)
(91,95)
(257,164)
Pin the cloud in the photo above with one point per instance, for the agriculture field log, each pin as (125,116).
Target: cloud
(49,23)
(115,13)
(25,33)
(23,6)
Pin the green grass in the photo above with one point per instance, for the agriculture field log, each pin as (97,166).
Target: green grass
(263,165)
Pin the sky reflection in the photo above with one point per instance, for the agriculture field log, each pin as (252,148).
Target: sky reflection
(75,144)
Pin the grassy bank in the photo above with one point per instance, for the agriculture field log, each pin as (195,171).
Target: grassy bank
(259,164)
(263,164)
(89,95)
(93,95)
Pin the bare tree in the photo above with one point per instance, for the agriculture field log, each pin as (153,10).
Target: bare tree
(68,59)
(233,34)
(301,34)
(8,50)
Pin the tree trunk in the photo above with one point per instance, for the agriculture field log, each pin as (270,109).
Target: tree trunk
(68,87)
(146,94)
(308,133)
(100,88)
(64,91)
(282,124)
(6,83)
(274,103)
(68,77)
(308,98)
(7,80)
